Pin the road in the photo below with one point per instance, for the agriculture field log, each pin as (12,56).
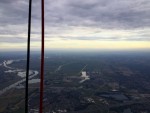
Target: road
(83,68)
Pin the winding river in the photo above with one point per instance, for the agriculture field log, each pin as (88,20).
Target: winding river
(20,72)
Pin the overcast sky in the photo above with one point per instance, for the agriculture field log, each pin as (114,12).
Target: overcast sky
(100,24)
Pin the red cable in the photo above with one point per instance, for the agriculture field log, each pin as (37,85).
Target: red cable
(42,59)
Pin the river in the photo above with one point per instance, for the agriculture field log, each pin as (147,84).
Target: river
(20,72)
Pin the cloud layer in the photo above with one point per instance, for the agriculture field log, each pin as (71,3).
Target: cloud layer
(127,20)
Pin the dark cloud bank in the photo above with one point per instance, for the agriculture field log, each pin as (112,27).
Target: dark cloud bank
(105,14)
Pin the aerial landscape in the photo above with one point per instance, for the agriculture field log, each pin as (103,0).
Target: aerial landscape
(74,56)
(78,82)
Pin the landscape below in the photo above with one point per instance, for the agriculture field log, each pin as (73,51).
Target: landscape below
(77,82)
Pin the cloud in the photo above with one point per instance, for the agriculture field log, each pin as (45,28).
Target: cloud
(65,18)
(136,38)
(99,13)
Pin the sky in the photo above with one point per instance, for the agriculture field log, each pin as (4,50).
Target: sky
(77,24)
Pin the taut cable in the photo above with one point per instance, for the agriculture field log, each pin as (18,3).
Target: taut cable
(28,57)
(42,58)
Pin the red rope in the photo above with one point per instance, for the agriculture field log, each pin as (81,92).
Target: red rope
(42,59)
